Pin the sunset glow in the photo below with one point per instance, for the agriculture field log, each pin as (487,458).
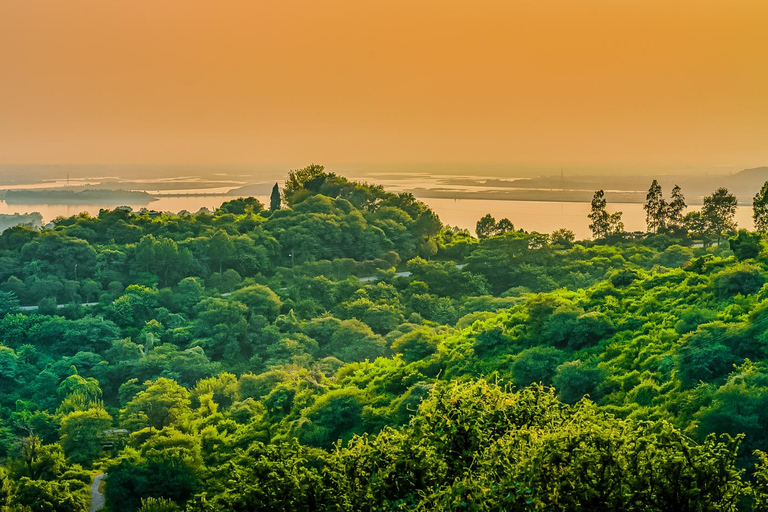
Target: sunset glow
(635,82)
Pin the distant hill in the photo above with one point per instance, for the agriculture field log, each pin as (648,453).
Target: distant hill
(745,184)
(757,172)
(619,188)
(255,189)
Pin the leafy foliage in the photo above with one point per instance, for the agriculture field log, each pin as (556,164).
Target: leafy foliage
(346,351)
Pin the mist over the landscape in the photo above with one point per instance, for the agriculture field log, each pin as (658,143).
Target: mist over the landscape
(352,256)
(459,193)
(622,86)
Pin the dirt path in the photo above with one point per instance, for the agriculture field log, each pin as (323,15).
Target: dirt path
(97,498)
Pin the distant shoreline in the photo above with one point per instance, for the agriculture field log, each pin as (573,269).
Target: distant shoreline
(89,196)
(564,196)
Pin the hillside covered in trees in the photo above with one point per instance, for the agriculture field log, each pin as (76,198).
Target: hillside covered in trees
(342,350)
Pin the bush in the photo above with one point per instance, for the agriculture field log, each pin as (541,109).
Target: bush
(741,279)
(537,364)
(704,355)
(158,505)
(574,380)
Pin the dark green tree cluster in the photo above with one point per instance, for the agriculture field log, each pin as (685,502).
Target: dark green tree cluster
(488,226)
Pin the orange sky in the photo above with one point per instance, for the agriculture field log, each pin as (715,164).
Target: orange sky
(645,82)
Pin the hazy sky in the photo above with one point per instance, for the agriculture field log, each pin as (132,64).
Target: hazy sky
(656,82)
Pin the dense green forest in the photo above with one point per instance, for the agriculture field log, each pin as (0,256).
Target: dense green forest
(342,350)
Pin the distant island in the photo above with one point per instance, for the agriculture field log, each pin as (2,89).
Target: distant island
(58,196)
(254,189)
(550,195)
(579,188)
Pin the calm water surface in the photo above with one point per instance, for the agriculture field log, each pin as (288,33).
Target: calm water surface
(542,216)
(166,204)
(546,216)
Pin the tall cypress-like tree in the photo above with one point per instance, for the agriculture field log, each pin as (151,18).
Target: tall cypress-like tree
(274,199)
(676,207)
(655,208)
(601,221)
(760,209)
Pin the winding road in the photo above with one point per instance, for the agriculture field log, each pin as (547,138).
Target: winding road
(97,498)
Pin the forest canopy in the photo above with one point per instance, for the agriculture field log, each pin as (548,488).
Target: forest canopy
(342,349)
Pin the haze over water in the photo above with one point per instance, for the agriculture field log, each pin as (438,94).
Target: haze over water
(519,88)
(541,216)
(209,187)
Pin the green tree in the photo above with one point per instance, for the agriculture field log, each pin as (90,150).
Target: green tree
(697,225)
(274,199)
(743,279)
(760,209)
(718,211)
(536,365)
(312,177)
(760,483)
(415,345)
(51,496)
(78,393)
(485,227)
(600,220)
(135,307)
(158,505)
(355,341)
(280,476)
(738,407)
(575,380)
(36,460)
(705,355)
(9,303)
(746,245)
(221,249)
(676,207)
(602,223)
(562,238)
(190,292)
(168,464)
(475,446)
(82,433)
(241,205)
(163,403)
(504,226)
(656,208)
(335,415)
(260,300)
(90,290)
(222,327)
(616,226)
